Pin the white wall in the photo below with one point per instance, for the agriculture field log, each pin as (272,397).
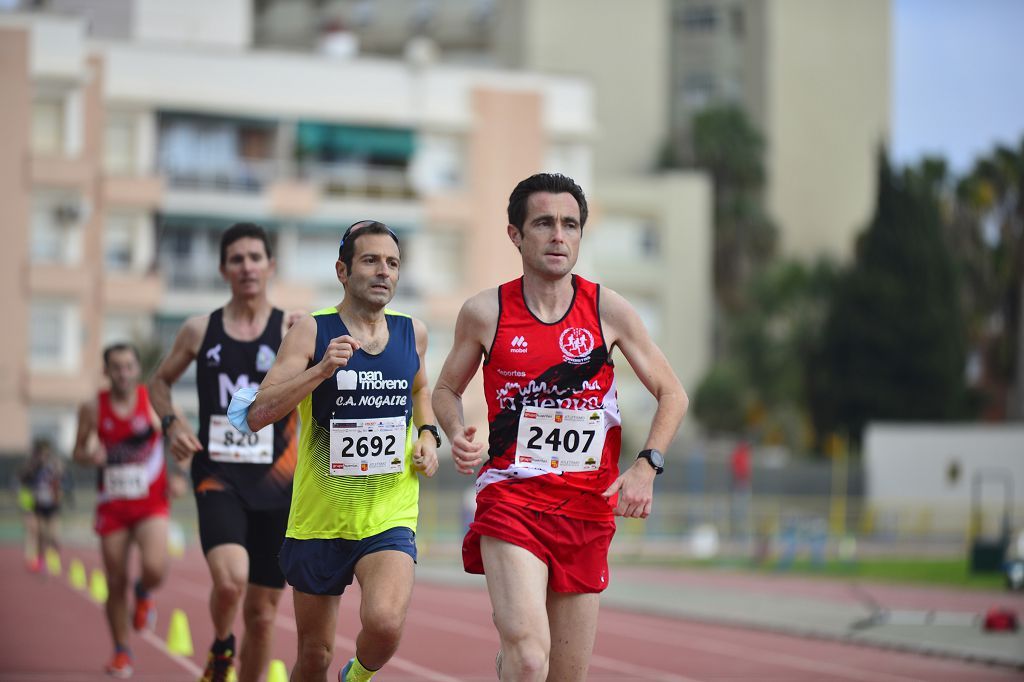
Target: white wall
(911,464)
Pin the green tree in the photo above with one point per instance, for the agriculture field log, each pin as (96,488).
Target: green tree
(722,399)
(893,345)
(986,228)
(726,144)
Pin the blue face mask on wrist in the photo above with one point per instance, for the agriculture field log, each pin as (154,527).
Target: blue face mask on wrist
(238,409)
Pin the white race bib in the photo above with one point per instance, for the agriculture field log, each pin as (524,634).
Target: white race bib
(557,440)
(365,447)
(125,481)
(228,444)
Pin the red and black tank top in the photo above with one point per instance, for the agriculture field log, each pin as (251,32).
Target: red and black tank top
(131,441)
(555,429)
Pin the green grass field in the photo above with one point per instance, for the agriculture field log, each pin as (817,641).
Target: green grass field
(919,571)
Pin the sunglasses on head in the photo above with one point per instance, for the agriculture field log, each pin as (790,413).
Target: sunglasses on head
(359,224)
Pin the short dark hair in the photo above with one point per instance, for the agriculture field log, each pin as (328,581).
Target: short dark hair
(553,183)
(117,348)
(347,247)
(40,444)
(241,231)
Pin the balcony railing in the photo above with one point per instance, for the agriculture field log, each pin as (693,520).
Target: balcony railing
(357,179)
(238,175)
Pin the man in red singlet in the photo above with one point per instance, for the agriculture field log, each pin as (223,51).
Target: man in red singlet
(549,490)
(119,434)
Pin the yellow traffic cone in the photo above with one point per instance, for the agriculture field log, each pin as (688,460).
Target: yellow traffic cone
(179,637)
(52,561)
(76,574)
(278,673)
(98,586)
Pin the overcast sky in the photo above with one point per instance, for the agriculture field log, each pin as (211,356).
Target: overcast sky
(958,78)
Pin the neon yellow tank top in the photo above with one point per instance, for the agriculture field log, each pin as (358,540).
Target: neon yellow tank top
(370,391)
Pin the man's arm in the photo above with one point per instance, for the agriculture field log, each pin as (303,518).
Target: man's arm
(424,454)
(88,449)
(291,378)
(625,329)
(182,440)
(479,315)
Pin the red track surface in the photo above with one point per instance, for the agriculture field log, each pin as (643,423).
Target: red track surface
(51,633)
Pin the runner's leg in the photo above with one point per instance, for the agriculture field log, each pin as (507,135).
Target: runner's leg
(573,621)
(114,548)
(229,569)
(258,612)
(264,536)
(151,534)
(517,582)
(316,617)
(385,579)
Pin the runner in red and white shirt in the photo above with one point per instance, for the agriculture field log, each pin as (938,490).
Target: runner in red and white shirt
(549,490)
(119,434)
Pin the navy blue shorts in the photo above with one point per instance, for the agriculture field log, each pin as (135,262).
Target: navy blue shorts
(328,566)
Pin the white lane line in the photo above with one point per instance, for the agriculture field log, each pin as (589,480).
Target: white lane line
(187,663)
(349,645)
(154,641)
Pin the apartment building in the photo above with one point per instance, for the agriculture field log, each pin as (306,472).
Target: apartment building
(131,138)
(813,76)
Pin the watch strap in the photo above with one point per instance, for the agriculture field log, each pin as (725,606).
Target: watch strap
(649,456)
(433,429)
(166,421)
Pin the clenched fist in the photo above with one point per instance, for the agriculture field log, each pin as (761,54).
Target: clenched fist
(337,354)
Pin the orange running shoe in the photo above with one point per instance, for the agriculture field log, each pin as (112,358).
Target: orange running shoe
(121,665)
(145,610)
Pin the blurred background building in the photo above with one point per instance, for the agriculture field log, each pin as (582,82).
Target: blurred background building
(137,131)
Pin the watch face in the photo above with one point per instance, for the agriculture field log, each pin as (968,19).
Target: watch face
(657,458)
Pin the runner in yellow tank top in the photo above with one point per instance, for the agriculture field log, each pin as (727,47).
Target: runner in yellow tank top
(358,375)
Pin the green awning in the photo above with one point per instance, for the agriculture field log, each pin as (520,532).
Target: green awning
(346,141)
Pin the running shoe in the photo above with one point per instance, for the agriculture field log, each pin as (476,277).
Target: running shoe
(344,671)
(220,668)
(145,611)
(121,665)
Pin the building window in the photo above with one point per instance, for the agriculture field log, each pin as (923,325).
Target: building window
(697,18)
(119,240)
(628,239)
(53,340)
(56,234)
(48,126)
(698,89)
(436,260)
(207,152)
(310,248)
(119,153)
(126,328)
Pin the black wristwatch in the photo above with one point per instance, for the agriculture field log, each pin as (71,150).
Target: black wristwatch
(654,458)
(433,430)
(165,422)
